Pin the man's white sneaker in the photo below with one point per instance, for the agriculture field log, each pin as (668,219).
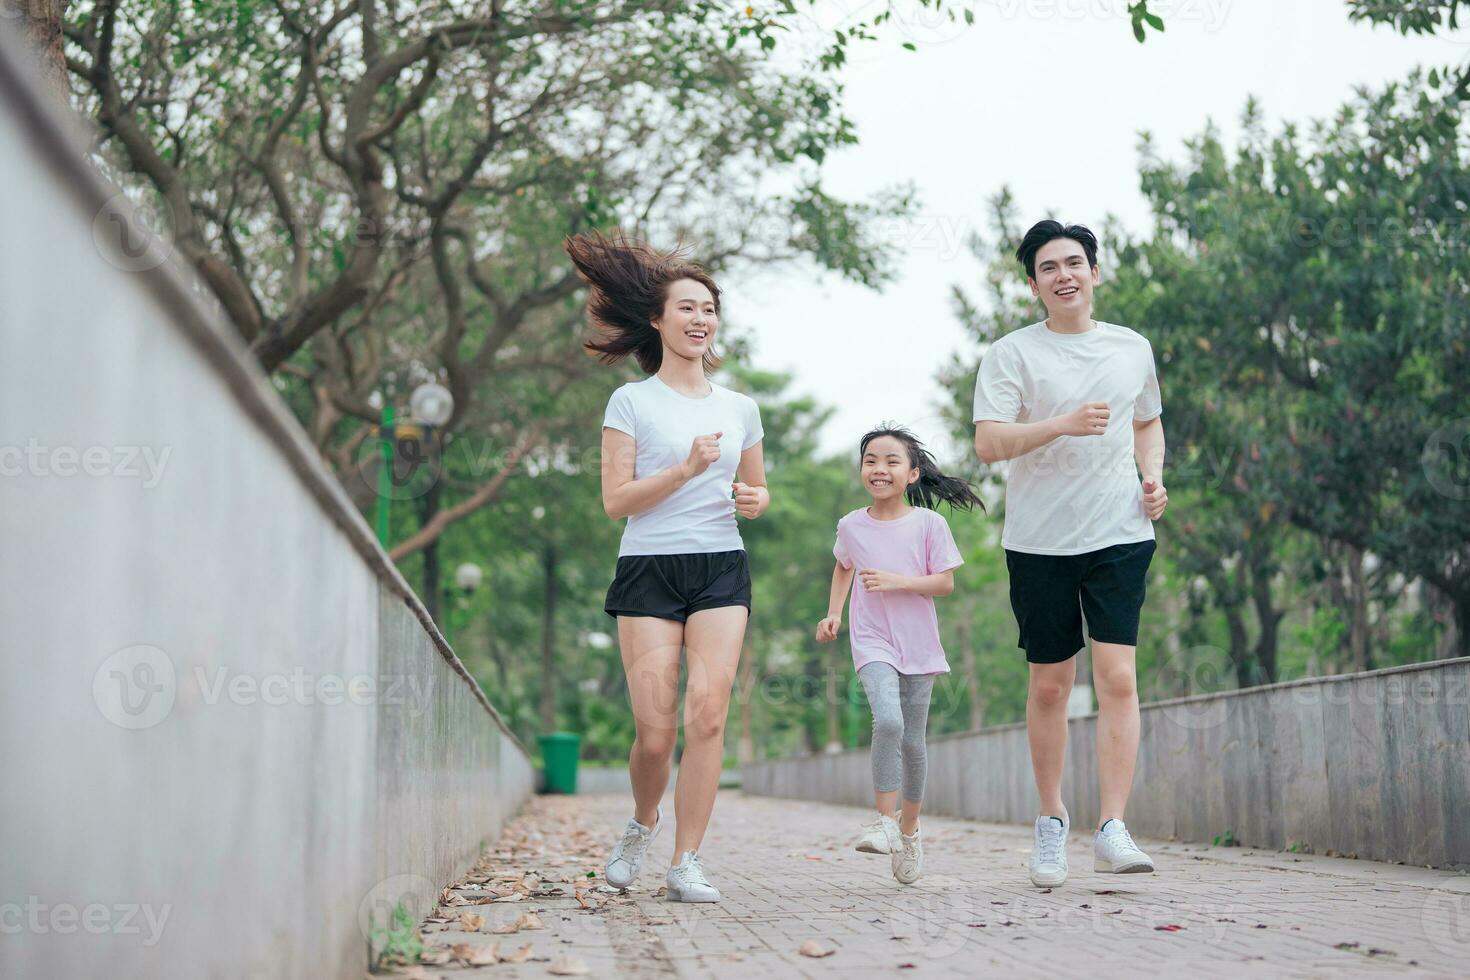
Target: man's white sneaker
(875,837)
(1113,852)
(627,857)
(908,860)
(1049,851)
(687,882)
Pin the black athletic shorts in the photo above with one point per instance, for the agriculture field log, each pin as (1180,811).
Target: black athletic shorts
(1051,593)
(673,586)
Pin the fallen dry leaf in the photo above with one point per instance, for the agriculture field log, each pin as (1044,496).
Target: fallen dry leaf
(1171,927)
(508,929)
(582,900)
(814,949)
(484,956)
(462,952)
(519,956)
(471,921)
(529,920)
(568,966)
(437,956)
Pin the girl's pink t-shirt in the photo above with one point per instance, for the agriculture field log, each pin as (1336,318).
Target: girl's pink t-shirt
(898,628)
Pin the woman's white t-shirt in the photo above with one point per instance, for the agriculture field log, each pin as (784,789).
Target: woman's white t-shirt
(1077,493)
(699,517)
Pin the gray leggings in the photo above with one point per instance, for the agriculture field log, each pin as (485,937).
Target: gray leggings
(900,704)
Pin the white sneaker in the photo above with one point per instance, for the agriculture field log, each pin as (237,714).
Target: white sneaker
(875,837)
(1049,851)
(908,860)
(627,857)
(687,882)
(1113,852)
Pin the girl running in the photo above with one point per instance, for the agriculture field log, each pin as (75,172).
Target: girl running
(681,458)
(905,555)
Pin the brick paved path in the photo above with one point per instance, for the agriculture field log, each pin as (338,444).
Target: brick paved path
(789,875)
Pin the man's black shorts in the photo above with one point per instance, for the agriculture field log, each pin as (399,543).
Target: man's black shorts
(674,586)
(1051,593)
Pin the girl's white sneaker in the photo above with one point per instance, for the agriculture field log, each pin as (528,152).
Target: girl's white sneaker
(1113,852)
(627,855)
(908,860)
(687,883)
(875,838)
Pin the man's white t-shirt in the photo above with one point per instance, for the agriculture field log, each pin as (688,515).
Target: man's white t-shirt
(1077,493)
(699,517)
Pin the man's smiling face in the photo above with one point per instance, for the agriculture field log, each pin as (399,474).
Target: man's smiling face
(1064,278)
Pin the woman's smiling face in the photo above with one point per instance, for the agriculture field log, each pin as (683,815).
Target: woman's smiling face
(689,320)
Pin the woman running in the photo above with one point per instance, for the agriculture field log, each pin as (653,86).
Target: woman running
(681,458)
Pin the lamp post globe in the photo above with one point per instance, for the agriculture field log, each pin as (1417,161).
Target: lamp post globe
(468,576)
(431,403)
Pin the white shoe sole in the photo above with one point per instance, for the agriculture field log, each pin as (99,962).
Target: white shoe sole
(1104,867)
(869,848)
(1048,881)
(674,895)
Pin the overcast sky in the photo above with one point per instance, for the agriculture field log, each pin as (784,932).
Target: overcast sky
(1047,97)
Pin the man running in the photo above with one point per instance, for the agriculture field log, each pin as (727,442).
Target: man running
(1078,528)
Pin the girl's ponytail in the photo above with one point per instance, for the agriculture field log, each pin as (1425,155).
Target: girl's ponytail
(932,487)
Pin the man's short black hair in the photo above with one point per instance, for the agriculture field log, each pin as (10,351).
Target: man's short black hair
(1045,232)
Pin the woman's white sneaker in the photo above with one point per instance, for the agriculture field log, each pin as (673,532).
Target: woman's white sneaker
(875,838)
(687,883)
(908,860)
(1049,851)
(1113,852)
(627,856)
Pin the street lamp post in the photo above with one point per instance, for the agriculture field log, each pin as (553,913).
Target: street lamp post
(430,406)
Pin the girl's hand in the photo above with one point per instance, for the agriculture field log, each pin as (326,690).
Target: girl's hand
(876,581)
(702,452)
(1155,499)
(747,500)
(827,629)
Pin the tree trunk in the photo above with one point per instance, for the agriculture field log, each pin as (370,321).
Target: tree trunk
(41,22)
(499,658)
(428,507)
(1268,619)
(1452,616)
(1461,644)
(1359,640)
(548,642)
(745,747)
(1240,653)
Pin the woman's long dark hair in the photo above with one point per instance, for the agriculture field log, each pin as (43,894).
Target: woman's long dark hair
(932,487)
(630,284)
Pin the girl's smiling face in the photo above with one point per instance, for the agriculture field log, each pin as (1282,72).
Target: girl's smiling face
(886,468)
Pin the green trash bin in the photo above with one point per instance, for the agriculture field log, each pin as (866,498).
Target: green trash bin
(559,753)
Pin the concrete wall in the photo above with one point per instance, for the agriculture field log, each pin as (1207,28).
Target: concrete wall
(1375,765)
(233,737)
